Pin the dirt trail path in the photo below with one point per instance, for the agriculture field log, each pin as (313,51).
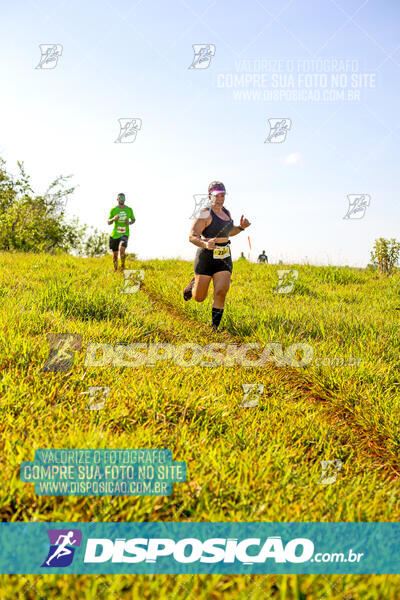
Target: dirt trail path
(340,418)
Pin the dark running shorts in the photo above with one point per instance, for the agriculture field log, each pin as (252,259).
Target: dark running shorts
(206,264)
(115,242)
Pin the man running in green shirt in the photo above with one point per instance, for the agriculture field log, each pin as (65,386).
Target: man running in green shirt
(122,216)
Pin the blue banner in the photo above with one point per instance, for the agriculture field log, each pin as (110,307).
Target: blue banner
(236,548)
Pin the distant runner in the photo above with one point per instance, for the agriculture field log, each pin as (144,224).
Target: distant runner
(213,260)
(242,256)
(122,216)
(263,258)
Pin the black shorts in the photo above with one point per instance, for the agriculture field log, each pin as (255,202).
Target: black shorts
(115,242)
(206,264)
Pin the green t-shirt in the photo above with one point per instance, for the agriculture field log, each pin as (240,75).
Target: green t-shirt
(121,226)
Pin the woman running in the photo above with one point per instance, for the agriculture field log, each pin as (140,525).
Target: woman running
(211,233)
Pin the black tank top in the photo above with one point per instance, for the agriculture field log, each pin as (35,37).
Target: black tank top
(218,227)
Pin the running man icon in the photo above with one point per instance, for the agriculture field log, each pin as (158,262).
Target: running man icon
(61,553)
(61,549)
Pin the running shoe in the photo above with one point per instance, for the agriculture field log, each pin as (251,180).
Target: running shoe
(187,292)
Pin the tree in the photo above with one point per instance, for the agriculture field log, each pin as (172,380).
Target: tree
(385,255)
(95,244)
(34,223)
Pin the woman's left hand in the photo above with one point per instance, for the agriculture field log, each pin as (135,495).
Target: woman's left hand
(244,222)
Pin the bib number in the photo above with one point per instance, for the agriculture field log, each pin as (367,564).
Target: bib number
(121,229)
(221,252)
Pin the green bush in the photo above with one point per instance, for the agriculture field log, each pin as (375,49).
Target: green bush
(385,255)
(35,223)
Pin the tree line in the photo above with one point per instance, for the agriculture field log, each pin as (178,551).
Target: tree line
(30,222)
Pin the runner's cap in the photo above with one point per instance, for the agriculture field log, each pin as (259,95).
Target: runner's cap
(216,187)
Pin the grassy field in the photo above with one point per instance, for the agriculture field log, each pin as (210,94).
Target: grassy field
(243,464)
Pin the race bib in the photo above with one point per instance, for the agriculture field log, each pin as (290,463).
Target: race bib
(121,229)
(221,252)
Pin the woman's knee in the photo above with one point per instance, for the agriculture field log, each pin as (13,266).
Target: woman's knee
(199,297)
(220,293)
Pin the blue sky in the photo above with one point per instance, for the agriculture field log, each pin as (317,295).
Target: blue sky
(131,60)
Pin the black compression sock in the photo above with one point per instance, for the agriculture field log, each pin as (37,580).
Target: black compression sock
(216,316)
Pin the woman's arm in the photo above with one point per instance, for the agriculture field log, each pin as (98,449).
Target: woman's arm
(235,230)
(195,234)
(238,228)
